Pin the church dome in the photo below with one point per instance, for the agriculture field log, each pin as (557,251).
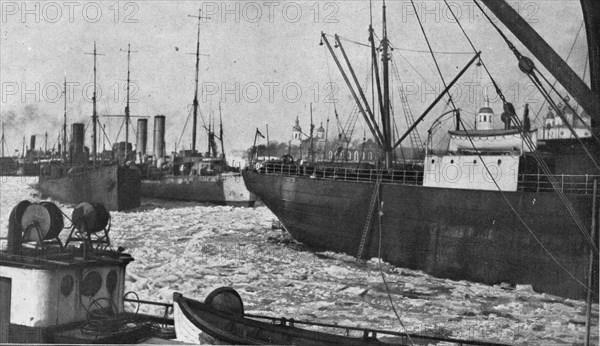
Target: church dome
(321,129)
(486,110)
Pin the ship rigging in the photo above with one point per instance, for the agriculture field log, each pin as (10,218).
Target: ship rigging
(529,225)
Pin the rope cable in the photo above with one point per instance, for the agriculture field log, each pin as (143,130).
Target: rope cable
(513,209)
(432,53)
(567,104)
(567,59)
(380,214)
(531,74)
(541,163)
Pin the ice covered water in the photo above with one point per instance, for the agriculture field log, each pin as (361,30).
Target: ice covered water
(193,248)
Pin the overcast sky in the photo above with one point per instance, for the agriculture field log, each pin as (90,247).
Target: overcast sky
(262,60)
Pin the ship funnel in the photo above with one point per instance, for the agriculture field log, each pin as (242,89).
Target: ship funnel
(76,149)
(32,143)
(142,136)
(77,133)
(159,136)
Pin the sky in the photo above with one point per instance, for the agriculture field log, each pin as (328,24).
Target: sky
(260,59)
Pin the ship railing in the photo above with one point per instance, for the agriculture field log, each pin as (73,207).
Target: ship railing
(407,177)
(567,183)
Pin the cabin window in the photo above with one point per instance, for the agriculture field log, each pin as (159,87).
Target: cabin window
(66,285)
(111,282)
(90,285)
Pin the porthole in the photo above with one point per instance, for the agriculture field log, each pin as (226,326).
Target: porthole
(499,162)
(66,285)
(474,162)
(90,285)
(432,161)
(452,162)
(111,281)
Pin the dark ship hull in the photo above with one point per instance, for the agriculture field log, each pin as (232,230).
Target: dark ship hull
(116,187)
(224,189)
(451,233)
(8,166)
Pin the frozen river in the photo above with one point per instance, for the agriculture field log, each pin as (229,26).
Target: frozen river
(192,248)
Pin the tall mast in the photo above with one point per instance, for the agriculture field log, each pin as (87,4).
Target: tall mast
(2,140)
(127,106)
(385,117)
(221,132)
(210,133)
(312,126)
(94,115)
(268,144)
(64,134)
(196,90)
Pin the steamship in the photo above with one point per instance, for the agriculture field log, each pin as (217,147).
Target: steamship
(77,180)
(108,178)
(189,175)
(498,205)
(27,163)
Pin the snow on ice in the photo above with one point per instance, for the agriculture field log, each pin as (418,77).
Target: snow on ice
(193,248)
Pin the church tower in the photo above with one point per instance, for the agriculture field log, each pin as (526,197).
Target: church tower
(484,117)
(296,133)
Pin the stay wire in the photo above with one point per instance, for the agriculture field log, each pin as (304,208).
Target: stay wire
(533,78)
(567,59)
(518,215)
(565,101)
(431,51)
(387,288)
(187,119)
(538,84)
(568,205)
(470,42)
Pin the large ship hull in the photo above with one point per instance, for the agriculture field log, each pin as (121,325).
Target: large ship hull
(114,186)
(457,234)
(224,189)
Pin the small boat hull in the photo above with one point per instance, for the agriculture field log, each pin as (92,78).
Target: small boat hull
(214,322)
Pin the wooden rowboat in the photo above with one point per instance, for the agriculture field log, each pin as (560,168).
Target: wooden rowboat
(221,320)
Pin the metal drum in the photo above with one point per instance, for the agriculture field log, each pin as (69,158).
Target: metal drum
(15,231)
(42,219)
(226,299)
(90,217)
